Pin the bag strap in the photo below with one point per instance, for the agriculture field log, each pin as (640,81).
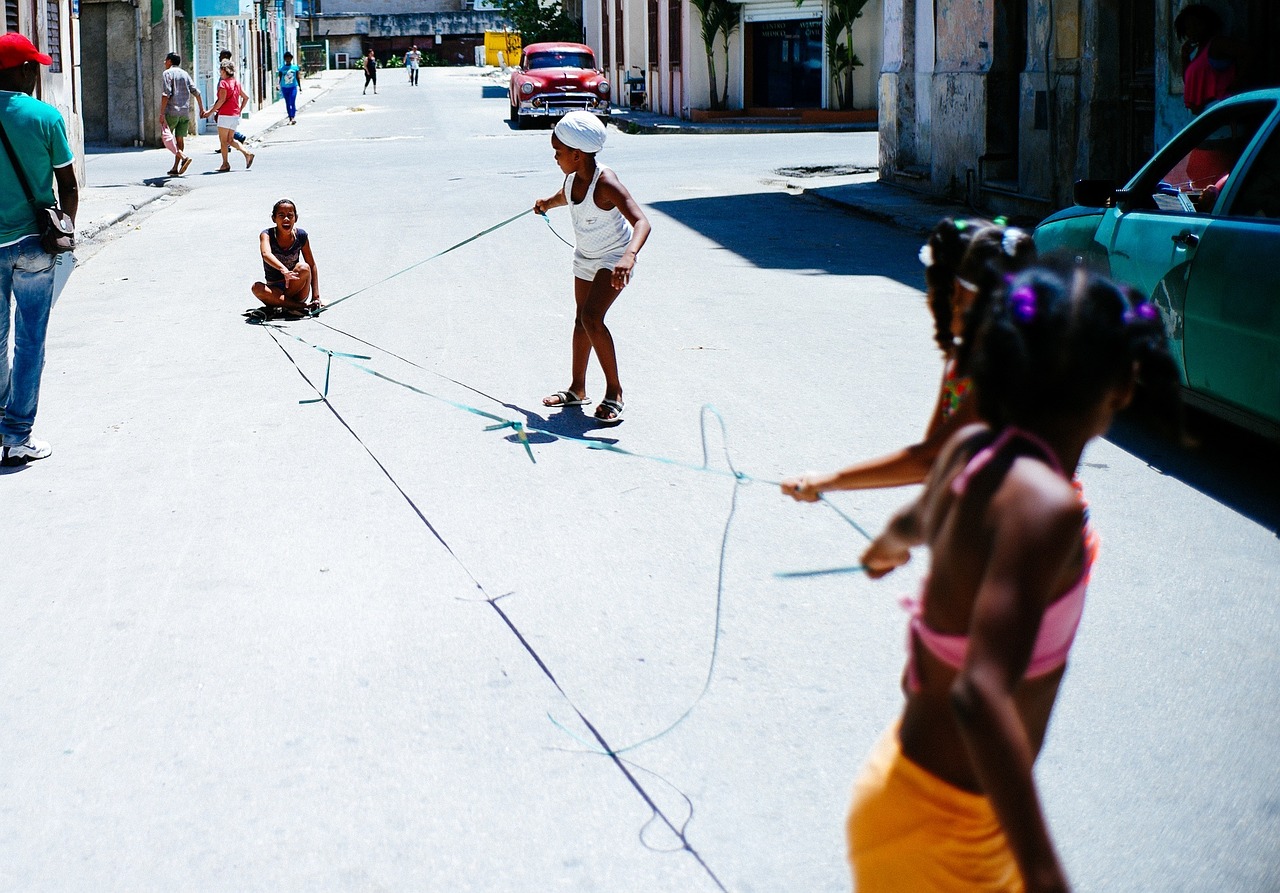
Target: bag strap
(17,167)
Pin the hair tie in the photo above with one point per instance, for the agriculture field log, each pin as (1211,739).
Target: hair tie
(1012,236)
(926,254)
(1144,311)
(1023,303)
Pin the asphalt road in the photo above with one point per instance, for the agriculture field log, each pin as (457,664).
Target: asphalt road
(257,643)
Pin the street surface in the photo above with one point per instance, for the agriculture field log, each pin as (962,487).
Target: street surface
(253,643)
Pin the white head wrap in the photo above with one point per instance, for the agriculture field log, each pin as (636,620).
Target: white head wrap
(582,131)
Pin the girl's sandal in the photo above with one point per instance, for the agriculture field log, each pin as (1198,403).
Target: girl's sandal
(564,398)
(609,411)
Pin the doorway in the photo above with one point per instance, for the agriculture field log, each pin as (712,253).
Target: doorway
(786,63)
(1137,83)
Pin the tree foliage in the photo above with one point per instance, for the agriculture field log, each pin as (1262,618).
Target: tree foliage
(719,19)
(841,59)
(538,22)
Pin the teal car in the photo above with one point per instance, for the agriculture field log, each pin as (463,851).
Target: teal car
(1198,229)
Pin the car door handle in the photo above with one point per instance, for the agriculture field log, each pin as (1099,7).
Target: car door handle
(1187,240)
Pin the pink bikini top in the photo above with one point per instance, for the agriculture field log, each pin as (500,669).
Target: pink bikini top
(1061,619)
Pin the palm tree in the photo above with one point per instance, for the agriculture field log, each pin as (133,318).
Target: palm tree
(718,19)
(841,60)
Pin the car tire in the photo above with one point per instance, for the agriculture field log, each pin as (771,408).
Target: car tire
(524,122)
(515,116)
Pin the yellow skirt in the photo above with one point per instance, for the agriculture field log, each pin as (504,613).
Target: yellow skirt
(911,832)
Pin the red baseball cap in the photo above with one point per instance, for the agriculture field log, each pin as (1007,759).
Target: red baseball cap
(15,49)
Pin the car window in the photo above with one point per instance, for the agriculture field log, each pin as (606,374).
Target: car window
(1191,173)
(566,59)
(1259,196)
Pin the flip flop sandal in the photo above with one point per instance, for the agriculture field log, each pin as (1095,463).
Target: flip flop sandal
(613,406)
(564,398)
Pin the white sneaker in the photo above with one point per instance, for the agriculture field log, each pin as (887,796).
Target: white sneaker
(25,452)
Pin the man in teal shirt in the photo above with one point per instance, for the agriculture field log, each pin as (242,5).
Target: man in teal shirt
(39,139)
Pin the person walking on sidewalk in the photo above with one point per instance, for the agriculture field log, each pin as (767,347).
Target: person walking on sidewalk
(38,136)
(175,109)
(370,72)
(289,87)
(226,109)
(412,60)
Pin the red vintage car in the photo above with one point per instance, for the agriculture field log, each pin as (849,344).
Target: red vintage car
(555,78)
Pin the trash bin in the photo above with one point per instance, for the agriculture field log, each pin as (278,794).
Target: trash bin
(635,88)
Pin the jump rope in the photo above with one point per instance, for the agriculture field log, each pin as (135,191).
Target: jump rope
(520,434)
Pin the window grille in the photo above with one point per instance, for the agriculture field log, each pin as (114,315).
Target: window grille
(53,31)
(11,15)
(675,32)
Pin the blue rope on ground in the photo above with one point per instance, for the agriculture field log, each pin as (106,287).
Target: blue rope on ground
(465,241)
(521,431)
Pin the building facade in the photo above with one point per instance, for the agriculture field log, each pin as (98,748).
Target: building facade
(1003,105)
(777,62)
(125,46)
(53,27)
(448,31)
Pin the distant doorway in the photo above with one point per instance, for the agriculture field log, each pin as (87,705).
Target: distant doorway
(786,63)
(1004,94)
(1137,83)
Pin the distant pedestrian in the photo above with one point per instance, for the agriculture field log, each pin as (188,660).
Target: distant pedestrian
(292,283)
(38,137)
(175,109)
(412,60)
(289,74)
(947,800)
(226,109)
(963,261)
(609,228)
(370,72)
(225,56)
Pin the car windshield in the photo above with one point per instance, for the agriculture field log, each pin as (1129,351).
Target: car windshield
(565,59)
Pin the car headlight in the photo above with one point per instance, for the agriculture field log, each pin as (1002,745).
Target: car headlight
(526,89)
(603,87)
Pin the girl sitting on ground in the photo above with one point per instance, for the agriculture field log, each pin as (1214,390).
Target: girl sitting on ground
(293,285)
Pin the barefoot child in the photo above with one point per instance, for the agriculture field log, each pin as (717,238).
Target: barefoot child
(609,229)
(293,284)
(963,260)
(947,800)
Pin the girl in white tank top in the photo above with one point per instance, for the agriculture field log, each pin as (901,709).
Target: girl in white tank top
(609,229)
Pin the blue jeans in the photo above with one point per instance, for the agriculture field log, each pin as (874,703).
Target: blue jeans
(26,276)
(290,95)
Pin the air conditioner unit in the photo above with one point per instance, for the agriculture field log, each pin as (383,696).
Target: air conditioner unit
(341,60)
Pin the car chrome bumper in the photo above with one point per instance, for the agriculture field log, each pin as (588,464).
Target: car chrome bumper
(543,110)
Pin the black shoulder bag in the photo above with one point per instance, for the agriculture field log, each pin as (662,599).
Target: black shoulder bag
(57,230)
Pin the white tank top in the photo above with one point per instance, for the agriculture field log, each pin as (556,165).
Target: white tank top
(598,232)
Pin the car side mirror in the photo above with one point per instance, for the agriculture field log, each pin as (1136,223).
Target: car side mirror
(1097,193)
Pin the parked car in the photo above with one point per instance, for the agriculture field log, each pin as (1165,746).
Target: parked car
(555,78)
(1198,229)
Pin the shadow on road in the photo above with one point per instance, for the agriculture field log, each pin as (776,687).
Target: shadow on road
(571,421)
(1231,466)
(778,231)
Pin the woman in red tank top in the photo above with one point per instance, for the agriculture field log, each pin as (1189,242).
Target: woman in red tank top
(226,111)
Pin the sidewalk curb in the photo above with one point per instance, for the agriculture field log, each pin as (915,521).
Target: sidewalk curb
(89,235)
(900,222)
